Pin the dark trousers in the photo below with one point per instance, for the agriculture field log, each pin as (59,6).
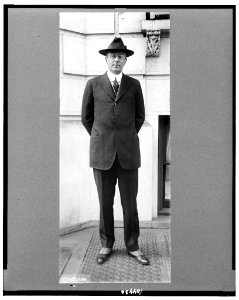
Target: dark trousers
(128,187)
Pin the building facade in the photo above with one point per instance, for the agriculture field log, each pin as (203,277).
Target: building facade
(82,35)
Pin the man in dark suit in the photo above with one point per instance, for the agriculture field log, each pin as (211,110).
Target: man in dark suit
(113,113)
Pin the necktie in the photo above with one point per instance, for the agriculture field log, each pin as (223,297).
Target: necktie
(115,86)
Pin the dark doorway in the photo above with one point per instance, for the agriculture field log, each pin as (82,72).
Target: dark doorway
(164,152)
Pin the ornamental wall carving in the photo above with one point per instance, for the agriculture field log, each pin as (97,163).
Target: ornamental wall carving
(153,43)
(153,30)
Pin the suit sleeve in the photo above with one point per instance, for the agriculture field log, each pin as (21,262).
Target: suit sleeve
(87,111)
(139,109)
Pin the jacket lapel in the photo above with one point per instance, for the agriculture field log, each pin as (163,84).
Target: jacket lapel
(106,85)
(124,85)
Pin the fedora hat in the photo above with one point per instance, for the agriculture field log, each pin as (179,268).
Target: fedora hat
(117,45)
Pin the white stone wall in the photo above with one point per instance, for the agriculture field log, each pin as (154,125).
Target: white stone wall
(82,35)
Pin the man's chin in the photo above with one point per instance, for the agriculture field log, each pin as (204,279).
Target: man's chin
(116,70)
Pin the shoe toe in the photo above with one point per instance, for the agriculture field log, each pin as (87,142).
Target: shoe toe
(102,258)
(143,260)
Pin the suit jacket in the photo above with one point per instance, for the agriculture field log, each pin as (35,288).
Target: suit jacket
(113,122)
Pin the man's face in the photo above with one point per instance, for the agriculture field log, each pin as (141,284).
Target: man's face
(115,61)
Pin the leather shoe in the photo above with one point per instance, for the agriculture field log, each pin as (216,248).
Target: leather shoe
(102,258)
(142,259)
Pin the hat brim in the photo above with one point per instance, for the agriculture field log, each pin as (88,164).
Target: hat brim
(127,51)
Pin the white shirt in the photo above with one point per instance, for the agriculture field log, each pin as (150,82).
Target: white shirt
(113,76)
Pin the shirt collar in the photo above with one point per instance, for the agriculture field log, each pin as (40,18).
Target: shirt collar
(113,76)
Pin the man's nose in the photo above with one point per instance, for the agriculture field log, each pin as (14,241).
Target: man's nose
(116,58)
